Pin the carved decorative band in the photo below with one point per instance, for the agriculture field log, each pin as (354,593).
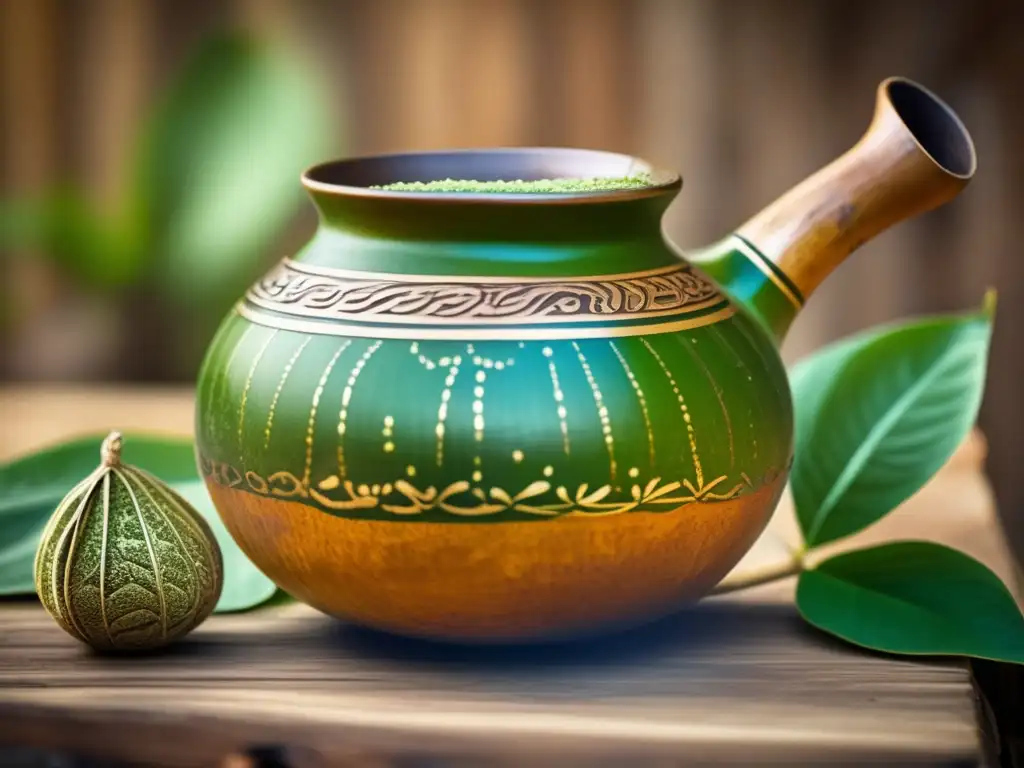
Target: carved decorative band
(299,290)
(486,333)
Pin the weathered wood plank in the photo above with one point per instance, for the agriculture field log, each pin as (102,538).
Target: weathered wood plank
(724,680)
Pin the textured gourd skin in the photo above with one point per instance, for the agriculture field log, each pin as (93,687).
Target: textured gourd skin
(508,478)
(127,564)
(405,545)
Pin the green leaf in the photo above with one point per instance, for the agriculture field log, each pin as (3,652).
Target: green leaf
(813,378)
(879,414)
(245,586)
(280,599)
(218,176)
(63,226)
(914,597)
(31,488)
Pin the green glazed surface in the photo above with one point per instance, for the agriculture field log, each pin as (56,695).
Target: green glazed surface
(368,425)
(593,425)
(497,415)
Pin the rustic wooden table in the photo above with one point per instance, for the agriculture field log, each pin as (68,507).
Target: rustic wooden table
(736,679)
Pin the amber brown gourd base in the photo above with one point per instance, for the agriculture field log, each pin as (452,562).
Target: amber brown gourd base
(511,584)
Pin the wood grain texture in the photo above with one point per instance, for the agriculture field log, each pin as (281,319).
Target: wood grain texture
(726,680)
(915,156)
(736,679)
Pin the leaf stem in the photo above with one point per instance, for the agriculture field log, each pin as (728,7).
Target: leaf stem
(756,578)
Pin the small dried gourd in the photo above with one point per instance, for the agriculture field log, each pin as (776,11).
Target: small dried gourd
(124,562)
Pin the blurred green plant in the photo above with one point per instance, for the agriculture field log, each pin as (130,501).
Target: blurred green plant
(211,184)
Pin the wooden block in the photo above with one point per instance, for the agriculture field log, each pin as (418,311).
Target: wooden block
(728,680)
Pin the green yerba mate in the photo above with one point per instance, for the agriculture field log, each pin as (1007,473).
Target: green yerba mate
(125,563)
(519,186)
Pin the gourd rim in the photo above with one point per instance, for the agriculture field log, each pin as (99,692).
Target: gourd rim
(353,177)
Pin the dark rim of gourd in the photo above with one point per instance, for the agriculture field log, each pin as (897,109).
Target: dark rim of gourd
(354,177)
(935,127)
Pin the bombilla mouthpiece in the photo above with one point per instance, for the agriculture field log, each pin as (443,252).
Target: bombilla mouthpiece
(915,156)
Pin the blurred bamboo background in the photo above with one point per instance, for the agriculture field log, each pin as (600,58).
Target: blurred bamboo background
(745,97)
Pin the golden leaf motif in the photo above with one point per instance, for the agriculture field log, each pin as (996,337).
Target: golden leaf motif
(502,496)
(536,488)
(583,502)
(596,496)
(329,483)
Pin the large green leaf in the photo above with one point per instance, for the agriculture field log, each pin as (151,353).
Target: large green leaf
(813,378)
(31,488)
(245,586)
(219,172)
(914,597)
(879,414)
